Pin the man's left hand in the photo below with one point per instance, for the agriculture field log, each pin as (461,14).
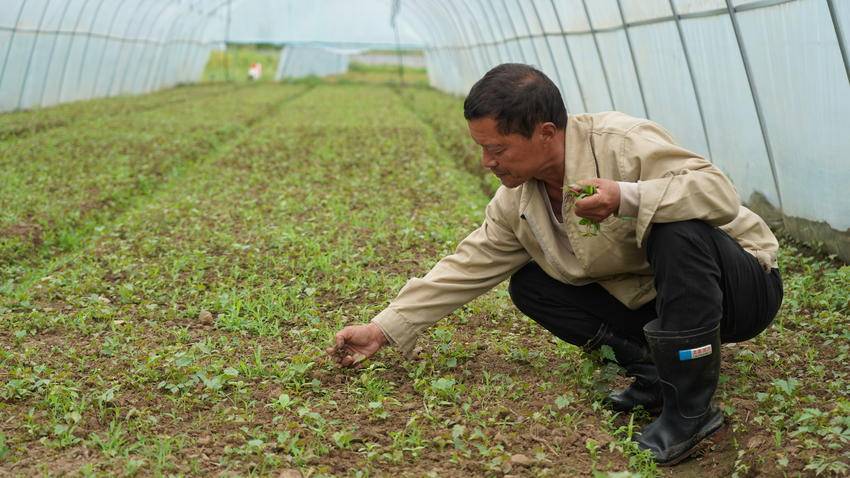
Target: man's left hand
(605,202)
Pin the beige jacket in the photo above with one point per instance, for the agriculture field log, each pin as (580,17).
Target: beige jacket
(674,185)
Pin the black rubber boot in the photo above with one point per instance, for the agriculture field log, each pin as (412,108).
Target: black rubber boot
(688,364)
(635,358)
(645,391)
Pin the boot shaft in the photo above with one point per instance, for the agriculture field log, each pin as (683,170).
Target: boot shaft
(688,363)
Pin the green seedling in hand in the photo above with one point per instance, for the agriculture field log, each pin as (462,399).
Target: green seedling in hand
(591,226)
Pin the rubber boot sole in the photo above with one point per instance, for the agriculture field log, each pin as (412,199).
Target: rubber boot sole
(690,451)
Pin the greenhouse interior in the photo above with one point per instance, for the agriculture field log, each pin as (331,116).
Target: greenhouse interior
(424,238)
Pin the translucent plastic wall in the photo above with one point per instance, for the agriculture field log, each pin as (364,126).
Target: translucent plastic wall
(302,61)
(762,87)
(52,51)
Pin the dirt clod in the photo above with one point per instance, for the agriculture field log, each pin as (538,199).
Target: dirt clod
(521,460)
(290,473)
(205,317)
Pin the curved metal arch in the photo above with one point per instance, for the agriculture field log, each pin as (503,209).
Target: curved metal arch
(599,55)
(86,45)
(468,46)
(185,30)
(460,48)
(528,29)
(105,48)
(436,71)
(146,84)
(171,70)
(31,55)
(125,39)
(194,36)
(634,59)
(70,47)
(499,40)
(551,52)
(146,37)
(194,45)
(479,34)
(494,39)
(11,41)
(52,51)
(445,51)
(569,55)
(513,29)
(690,72)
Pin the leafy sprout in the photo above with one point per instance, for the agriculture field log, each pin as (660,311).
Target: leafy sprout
(591,226)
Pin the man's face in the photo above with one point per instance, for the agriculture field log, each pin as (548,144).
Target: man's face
(513,158)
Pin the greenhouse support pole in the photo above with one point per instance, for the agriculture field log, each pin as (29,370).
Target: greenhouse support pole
(190,44)
(32,54)
(498,41)
(471,65)
(11,41)
(551,53)
(599,54)
(530,36)
(124,39)
(509,53)
(86,49)
(839,35)
(450,58)
(632,55)
(479,34)
(86,46)
(70,47)
(515,32)
(569,55)
(478,39)
(201,46)
(226,41)
(182,36)
(143,38)
(751,81)
(436,70)
(150,76)
(105,48)
(478,60)
(191,54)
(50,56)
(147,38)
(691,73)
(396,8)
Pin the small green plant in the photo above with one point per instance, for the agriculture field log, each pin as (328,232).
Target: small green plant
(591,226)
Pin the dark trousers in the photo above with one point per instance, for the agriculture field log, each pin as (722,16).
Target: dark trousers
(702,276)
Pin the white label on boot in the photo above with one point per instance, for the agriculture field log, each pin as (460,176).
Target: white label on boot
(695,353)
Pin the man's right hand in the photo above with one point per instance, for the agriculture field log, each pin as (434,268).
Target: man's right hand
(356,343)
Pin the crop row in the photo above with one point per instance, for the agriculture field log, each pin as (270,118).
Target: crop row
(25,123)
(60,184)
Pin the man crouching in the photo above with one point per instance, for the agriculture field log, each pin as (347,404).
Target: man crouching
(660,262)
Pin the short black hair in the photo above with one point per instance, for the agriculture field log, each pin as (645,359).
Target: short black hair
(518,97)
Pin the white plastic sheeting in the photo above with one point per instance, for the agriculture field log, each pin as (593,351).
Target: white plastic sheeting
(52,51)
(303,61)
(760,87)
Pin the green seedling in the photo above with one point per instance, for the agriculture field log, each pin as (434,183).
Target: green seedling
(591,226)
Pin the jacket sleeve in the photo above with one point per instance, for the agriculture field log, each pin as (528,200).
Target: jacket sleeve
(486,257)
(674,184)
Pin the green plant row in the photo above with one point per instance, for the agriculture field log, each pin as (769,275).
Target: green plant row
(59,185)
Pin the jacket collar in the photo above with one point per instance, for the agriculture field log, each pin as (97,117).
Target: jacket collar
(579,163)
